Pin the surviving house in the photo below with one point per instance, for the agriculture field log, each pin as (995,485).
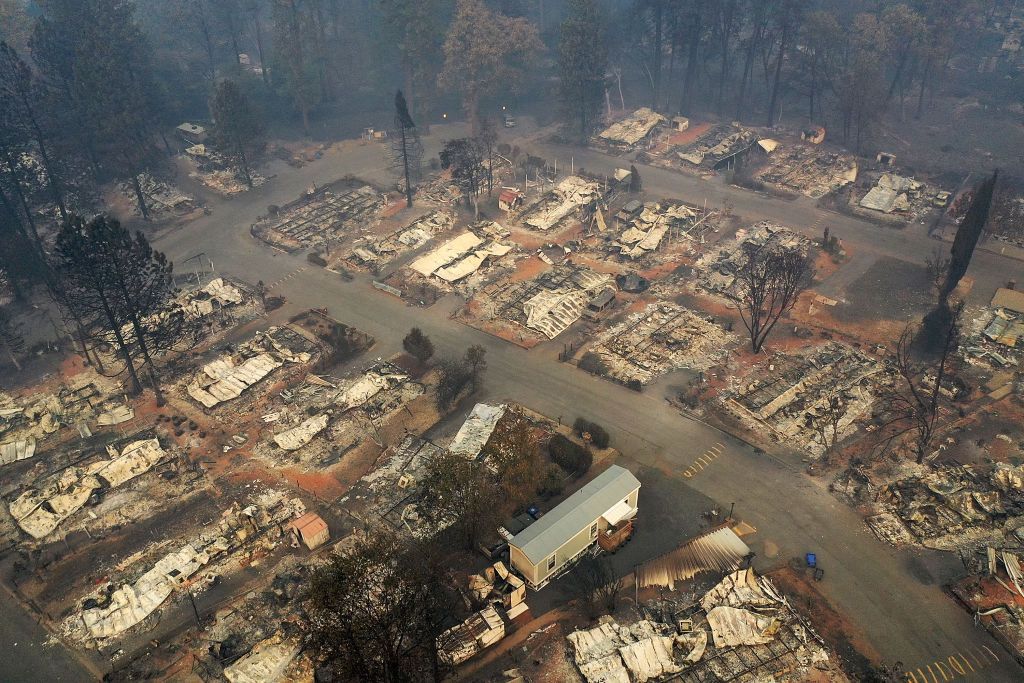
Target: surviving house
(552,543)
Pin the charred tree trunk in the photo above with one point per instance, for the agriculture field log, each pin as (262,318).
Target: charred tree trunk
(772,103)
(658,37)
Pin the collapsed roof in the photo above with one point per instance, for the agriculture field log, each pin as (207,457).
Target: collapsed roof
(633,128)
(566,197)
(39,511)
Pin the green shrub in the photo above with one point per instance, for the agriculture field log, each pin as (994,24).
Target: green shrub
(569,455)
(551,481)
(598,435)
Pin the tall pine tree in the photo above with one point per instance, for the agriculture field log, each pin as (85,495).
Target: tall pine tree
(406,150)
(237,131)
(123,292)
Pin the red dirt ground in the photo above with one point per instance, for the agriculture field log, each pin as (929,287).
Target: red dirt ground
(685,137)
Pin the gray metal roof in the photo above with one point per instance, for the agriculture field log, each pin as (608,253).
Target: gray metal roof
(575,513)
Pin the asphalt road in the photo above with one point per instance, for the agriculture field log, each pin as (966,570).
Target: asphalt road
(903,614)
(28,656)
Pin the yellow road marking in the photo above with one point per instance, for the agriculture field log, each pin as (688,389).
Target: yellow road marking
(952,667)
(704,460)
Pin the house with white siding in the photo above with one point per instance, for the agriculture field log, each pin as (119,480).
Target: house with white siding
(603,508)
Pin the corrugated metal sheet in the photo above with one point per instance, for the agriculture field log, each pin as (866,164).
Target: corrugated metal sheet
(718,550)
(1011,299)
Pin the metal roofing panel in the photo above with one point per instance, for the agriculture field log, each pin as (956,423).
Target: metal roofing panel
(575,513)
(1009,298)
(618,512)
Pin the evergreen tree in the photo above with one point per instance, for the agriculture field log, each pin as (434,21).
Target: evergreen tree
(95,53)
(967,235)
(582,62)
(417,31)
(10,338)
(635,183)
(418,345)
(296,70)
(933,334)
(123,292)
(19,116)
(406,150)
(237,131)
(485,52)
(20,262)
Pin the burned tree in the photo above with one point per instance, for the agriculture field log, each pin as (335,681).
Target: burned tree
(937,265)
(921,388)
(376,611)
(406,150)
(123,292)
(237,131)
(768,284)
(487,138)
(828,417)
(465,158)
(10,338)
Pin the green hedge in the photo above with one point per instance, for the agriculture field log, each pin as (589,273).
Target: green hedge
(569,455)
(598,436)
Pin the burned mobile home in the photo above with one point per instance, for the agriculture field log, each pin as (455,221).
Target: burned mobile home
(660,338)
(810,400)
(327,214)
(555,209)
(314,424)
(124,603)
(632,130)
(376,252)
(547,304)
(807,170)
(719,147)
(641,229)
(744,628)
(717,269)
(897,198)
(229,375)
